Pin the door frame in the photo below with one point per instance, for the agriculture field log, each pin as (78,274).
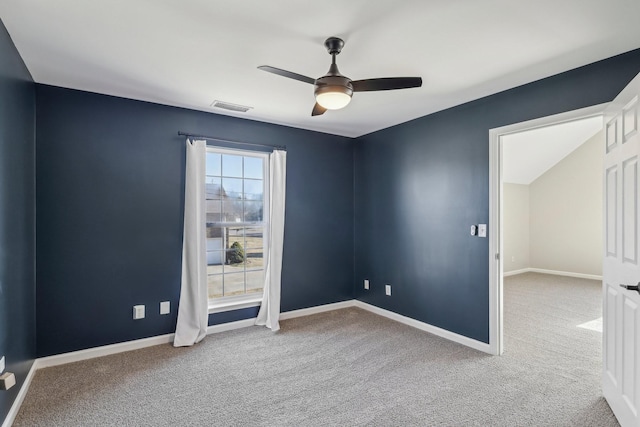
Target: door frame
(496,312)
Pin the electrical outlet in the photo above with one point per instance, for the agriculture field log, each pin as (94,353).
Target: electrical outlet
(138,312)
(387,290)
(165,307)
(7,380)
(366,284)
(513,259)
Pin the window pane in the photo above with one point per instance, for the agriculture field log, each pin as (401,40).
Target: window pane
(214,210)
(214,283)
(213,164)
(255,281)
(213,188)
(232,188)
(231,165)
(235,234)
(253,167)
(215,232)
(214,244)
(216,268)
(252,211)
(253,189)
(235,192)
(232,210)
(255,259)
(253,238)
(236,257)
(234,284)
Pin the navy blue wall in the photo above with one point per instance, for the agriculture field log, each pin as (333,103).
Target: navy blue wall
(420,185)
(109,197)
(17,217)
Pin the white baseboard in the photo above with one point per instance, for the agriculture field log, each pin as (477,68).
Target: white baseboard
(15,408)
(315,310)
(105,350)
(451,336)
(515,272)
(554,272)
(478,345)
(76,356)
(567,273)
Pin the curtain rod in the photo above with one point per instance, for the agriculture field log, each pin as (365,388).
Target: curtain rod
(213,138)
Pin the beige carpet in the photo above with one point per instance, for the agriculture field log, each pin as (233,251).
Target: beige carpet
(350,368)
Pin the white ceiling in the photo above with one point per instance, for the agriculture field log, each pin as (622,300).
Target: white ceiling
(189,53)
(527,155)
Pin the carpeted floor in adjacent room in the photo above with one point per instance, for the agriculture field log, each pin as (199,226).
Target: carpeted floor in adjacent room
(350,368)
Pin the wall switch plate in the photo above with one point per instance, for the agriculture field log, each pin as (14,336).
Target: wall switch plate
(387,290)
(165,307)
(138,312)
(482,230)
(2,364)
(366,284)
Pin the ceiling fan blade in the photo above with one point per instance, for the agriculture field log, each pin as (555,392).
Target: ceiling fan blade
(318,110)
(387,83)
(285,73)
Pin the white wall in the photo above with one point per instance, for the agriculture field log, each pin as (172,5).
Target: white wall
(555,223)
(515,227)
(565,211)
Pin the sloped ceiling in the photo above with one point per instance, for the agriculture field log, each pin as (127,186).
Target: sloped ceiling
(189,53)
(529,154)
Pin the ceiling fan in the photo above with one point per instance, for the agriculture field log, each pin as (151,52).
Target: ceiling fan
(333,90)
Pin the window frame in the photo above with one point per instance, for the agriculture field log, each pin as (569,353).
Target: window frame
(236,302)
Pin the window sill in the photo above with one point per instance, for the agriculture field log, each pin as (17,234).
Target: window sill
(222,306)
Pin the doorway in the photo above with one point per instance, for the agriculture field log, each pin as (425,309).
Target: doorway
(497,141)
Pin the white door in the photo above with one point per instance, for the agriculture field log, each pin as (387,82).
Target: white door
(621,306)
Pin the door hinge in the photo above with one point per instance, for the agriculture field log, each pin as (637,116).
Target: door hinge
(498,257)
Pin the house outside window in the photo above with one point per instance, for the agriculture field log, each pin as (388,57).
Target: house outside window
(237,207)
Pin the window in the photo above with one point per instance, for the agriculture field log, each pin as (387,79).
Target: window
(237,216)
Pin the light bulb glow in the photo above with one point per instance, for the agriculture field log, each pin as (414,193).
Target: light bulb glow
(333,100)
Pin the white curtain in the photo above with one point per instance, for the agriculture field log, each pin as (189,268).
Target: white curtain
(193,308)
(269,313)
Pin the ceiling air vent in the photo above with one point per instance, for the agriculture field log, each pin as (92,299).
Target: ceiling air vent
(231,107)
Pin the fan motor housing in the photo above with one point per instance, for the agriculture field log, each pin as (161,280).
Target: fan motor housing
(333,84)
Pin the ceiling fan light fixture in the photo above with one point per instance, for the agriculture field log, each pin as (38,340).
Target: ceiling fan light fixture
(333,91)
(333,97)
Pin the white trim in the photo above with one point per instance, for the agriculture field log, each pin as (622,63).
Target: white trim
(566,273)
(478,345)
(451,336)
(495,211)
(15,408)
(105,350)
(230,326)
(515,272)
(250,152)
(554,272)
(318,309)
(495,245)
(217,307)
